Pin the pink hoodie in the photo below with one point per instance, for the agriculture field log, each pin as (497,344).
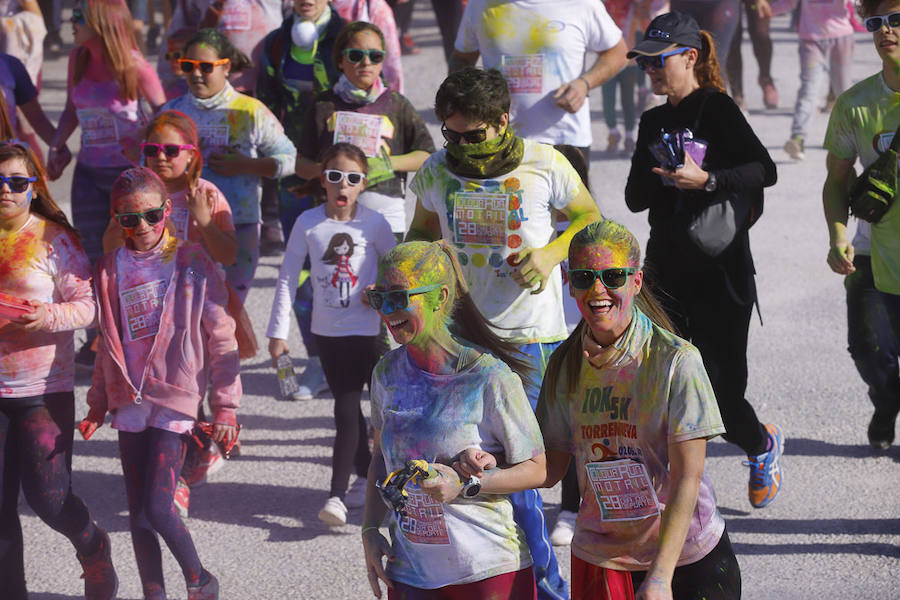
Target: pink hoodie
(195,343)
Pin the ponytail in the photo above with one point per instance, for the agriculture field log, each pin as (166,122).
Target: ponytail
(708,70)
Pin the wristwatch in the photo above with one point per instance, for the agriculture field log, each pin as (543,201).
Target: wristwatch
(471,487)
(710,185)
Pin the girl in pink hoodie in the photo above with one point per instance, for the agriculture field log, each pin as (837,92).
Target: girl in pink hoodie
(165,337)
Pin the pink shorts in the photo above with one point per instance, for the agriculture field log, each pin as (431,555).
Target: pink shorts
(518,585)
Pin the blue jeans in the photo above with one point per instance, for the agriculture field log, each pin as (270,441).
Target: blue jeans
(528,507)
(818,58)
(873,336)
(290,206)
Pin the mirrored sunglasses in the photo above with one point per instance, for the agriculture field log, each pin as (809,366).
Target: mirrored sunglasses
(151,150)
(16,184)
(132,220)
(188,65)
(390,300)
(473,136)
(658,61)
(875,23)
(336,176)
(356,55)
(78,16)
(612,279)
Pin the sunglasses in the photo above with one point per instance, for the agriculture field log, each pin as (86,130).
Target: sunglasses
(391,300)
(335,176)
(356,55)
(474,136)
(151,150)
(78,17)
(173,55)
(16,184)
(207,429)
(659,61)
(875,23)
(188,65)
(132,220)
(612,279)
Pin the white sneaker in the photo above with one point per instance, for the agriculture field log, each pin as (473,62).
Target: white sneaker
(356,495)
(334,513)
(565,528)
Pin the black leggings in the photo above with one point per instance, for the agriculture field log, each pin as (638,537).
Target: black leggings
(151,462)
(347,363)
(716,576)
(36,449)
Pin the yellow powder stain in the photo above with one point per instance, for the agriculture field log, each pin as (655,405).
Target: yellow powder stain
(514,29)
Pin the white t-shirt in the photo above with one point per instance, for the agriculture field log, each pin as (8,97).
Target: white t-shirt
(434,417)
(344,259)
(490,221)
(539,45)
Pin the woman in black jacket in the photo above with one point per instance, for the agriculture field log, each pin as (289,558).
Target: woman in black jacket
(710,300)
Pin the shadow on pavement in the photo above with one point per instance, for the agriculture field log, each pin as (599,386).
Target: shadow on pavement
(859,548)
(816,526)
(803,447)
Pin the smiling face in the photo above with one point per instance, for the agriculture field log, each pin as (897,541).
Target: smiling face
(607,312)
(170,169)
(423,318)
(310,10)
(144,236)
(887,39)
(206,85)
(342,195)
(14,206)
(363,74)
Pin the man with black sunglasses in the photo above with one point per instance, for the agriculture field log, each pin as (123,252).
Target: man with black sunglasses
(862,125)
(493,194)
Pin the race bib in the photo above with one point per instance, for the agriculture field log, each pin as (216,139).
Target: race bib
(623,490)
(143,306)
(181,217)
(524,74)
(236,16)
(480,218)
(424,521)
(358,129)
(213,138)
(98,127)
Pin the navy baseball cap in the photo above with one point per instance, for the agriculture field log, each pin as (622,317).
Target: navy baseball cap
(666,32)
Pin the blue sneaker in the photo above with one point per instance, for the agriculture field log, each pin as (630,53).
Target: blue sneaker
(765,470)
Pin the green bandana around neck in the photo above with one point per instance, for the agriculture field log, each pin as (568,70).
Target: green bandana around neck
(488,159)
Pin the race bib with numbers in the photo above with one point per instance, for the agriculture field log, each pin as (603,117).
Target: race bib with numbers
(480,218)
(623,489)
(524,74)
(424,521)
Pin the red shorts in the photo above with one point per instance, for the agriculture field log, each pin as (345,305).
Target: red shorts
(590,582)
(518,585)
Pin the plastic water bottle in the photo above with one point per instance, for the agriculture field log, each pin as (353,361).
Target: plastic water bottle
(287,379)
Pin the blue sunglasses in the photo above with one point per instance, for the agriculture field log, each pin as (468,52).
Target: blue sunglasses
(658,61)
(390,300)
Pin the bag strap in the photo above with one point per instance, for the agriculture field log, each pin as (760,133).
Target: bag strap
(895,141)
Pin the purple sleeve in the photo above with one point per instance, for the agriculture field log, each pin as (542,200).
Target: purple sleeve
(24,89)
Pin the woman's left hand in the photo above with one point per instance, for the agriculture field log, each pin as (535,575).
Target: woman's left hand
(224,433)
(688,177)
(34,320)
(445,487)
(654,588)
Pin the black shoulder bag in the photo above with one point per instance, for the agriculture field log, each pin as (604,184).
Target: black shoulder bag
(874,190)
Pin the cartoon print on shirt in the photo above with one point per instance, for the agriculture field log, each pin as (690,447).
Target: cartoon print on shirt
(339,251)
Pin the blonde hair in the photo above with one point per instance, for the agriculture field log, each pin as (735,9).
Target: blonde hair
(111,21)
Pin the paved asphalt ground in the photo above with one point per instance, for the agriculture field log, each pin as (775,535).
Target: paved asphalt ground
(833,532)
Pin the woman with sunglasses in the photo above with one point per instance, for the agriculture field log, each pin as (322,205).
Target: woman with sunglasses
(397,144)
(112,91)
(166,338)
(240,139)
(45,294)
(711,298)
(343,241)
(452,384)
(635,415)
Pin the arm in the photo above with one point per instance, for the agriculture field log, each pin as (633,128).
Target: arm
(68,122)
(285,289)
(38,119)
(557,465)
(221,245)
(535,264)
(425,225)
(73,280)
(96,395)
(642,189)
(223,363)
(461,60)
(306,168)
(375,545)
(410,161)
(570,96)
(151,87)
(32,6)
(685,471)
(840,178)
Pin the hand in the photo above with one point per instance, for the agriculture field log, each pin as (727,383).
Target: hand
(763,9)
(534,267)
(840,257)
(688,177)
(445,486)
(91,423)
(224,434)
(654,588)
(200,204)
(474,461)
(57,161)
(231,162)
(36,319)
(364,297)
(277,347)
(570,96)
(113,236)
(375,547)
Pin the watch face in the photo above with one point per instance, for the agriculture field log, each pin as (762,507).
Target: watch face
(472,487)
